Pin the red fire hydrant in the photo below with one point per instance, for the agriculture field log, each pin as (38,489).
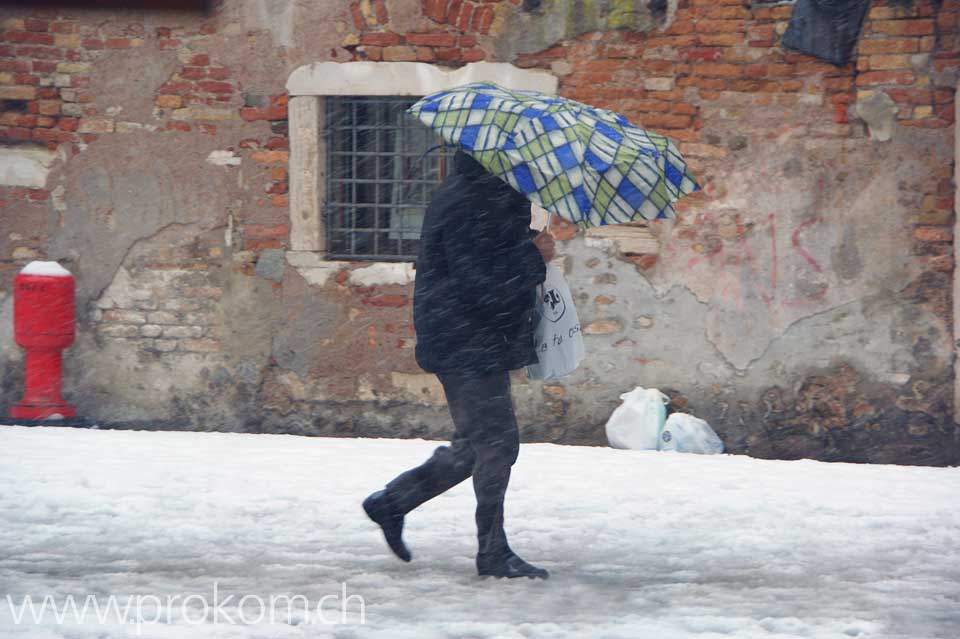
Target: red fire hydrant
(43,319)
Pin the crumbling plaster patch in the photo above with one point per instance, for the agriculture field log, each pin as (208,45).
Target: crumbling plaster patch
(518,31)
(826,229)
(122,191)
(25,167)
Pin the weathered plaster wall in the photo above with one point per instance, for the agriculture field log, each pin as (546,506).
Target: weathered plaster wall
(802,302)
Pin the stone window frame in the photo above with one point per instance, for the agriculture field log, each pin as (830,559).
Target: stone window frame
(309,85)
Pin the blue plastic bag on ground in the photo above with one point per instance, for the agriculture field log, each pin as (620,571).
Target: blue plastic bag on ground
(688,434)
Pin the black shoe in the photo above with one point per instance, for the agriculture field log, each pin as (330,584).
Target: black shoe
(378,509)
(508,565)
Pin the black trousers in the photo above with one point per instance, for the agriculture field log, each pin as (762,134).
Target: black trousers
(485,445)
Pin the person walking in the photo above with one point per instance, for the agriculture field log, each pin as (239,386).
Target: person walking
(474,300)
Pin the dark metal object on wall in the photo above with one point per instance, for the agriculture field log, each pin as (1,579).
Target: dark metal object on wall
(827,29)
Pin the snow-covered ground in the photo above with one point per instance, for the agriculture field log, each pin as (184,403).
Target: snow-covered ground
(639,544)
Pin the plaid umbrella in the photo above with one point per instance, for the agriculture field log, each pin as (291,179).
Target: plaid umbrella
(588,165)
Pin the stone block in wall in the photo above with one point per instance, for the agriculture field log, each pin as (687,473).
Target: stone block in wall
(25,167)
(178,332)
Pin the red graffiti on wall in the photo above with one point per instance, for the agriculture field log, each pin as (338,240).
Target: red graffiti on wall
(731,255)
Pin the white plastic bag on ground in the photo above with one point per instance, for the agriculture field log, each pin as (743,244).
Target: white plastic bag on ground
(557,335)
(688,434)
(637,422)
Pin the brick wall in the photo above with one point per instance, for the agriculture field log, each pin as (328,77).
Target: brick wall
(202,292)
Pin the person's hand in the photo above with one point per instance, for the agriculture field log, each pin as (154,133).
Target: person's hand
(544,242)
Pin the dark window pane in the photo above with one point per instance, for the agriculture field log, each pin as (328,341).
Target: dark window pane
(379,177)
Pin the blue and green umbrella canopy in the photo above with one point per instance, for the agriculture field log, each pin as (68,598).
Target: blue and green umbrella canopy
(588,165)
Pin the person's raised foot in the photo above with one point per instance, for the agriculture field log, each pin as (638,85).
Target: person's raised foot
(508,565)
(378,509)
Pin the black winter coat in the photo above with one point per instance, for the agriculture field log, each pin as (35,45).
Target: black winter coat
(477,275)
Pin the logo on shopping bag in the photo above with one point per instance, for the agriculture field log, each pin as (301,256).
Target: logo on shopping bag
(553,305)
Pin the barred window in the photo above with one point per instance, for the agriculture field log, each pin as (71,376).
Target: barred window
(379,177)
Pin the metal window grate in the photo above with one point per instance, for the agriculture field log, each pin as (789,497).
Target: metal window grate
(378,180)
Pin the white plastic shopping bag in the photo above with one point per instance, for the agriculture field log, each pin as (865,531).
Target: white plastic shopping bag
(688,434)
(637,422)
(557,335)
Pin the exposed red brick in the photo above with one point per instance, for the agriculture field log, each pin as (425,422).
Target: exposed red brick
(885,77)
(447,55)
(887,45)
(193,73)
(703,54)
(264,231)
(270,157)
(356,15)
(381,9)
(118,43)
(718,69)
(561,229)
(28,37)
(260,245)
(16,133)
(436,10)
(453,11)
(713,40)
(903,27)
(252,114)
(176,88)
(466,13)
(432,39)
(216,87)
(63,27)
(666,121)
(911,96)
(486,20)
(68,124)
(52,135)
(32,24)
(933,234)
(385,39)
(474,55)
(719,26)
(42,53)
(840,114)
(644,261)
(400,53)
(167,45)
